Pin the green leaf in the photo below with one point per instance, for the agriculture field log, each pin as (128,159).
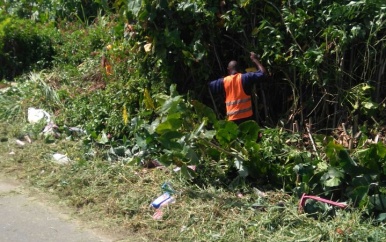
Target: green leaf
(170,144)
(165,160)
(226,132)
(332,177)
(339,156)
(313,206)
(302,169)
(381,150)
(169,125)
(333,182)
(102,138)
(249,131)
(369,105)
(171,135)
(381,217)
(172,105)
(187,54)
(148,100)
(134,6)
(187,172)
(174,115)
(346,158)
(153,126)
(358,194)
(141,142)
(378,202)
(365,87)
(204,111)
(208,134)
(191,155)
(199,50)
(332,148)
(255,31)
(167,140)
(198,131)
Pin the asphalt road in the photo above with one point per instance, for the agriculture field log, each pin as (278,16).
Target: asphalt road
(24,217)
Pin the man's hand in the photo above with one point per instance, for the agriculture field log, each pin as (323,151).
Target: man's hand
(255,59)
(254,56)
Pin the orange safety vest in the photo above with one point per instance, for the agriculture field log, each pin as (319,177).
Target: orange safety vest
(238,103)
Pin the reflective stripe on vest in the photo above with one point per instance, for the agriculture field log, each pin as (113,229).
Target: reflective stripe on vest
(238,103)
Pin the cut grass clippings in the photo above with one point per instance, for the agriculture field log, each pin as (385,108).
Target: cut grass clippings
(118,196)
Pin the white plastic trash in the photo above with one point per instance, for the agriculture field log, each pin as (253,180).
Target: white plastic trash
(163,200)
(60,159)
(19,142)
(35,115)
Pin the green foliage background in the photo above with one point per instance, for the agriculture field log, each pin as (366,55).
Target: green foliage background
(326,64)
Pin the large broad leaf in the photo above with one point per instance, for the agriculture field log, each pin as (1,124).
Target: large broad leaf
(167,140)
(165,159)
(226,132)
(169,125)
(191,155)
(333,182)
(249,131)
(172,105)
(134,6)
(253,149)
(143,141)
(346,160)
(315,207)
(204,111)
(331,151)
(359,187)
(339,157)
(358,194)
(302,169)
(332,177)
(371,158)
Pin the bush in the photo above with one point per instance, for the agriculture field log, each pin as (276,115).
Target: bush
(23,47)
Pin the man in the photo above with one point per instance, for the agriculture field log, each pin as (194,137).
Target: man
(237,88)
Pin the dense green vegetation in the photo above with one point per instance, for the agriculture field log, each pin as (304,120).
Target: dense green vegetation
(321,111)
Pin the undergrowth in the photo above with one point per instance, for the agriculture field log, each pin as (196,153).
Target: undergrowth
(118,196)
(133,115)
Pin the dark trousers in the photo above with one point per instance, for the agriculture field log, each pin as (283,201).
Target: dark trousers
(239,121)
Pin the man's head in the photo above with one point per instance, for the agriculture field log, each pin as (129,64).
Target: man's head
(232,67)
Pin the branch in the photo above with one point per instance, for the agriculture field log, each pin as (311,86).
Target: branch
(288,30)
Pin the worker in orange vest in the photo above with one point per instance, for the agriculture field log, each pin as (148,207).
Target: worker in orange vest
(237,88)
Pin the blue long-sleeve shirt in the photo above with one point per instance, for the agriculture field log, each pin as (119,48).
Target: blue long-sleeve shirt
(248,80)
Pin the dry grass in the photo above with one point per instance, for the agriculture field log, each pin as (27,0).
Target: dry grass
(118,196)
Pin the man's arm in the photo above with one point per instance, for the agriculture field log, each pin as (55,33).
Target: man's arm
(258,64)
(250,78)
(217,86)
